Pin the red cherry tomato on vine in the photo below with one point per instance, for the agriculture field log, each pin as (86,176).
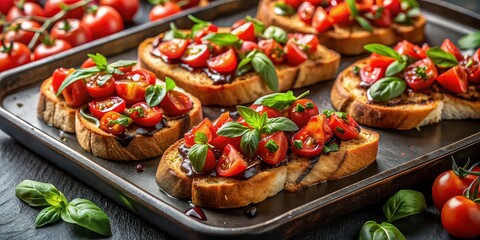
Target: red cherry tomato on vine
(301,111)
(161,11)
(421,74)
(13,55)
(28,9)
(345,128)
(45,50)
(95,90)
(133,85)
(52,7)
(231,162)
(176,103)
(224,63)
(461,217)
(99,107)
(144,115)
(126,8)
(272,149)
(72,31)
(107,123)
(20,32)
(103,22)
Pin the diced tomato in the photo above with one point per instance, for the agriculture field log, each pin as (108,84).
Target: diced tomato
(393,6)
(406,48)
(144,115)
(107,123)
(454,80)
(224,63)
(204,32)
(247,47)
(382,16)
(173,49)
(210,162)
(273,50)
(369,75)
(294,3)
(222,119)
(231,162)
(301,111)
(97,91)
(340,14)
(75,94)
(271,112)
(204,127)
(238,23)
(100,107)
(305,12)
(321,21)
(293,54)
(471,66)
(59,76)
(378,61)
(246,32)
(196,55)
(272,149)
(133,86)
(176,103)
(88,63)
(344,128)
(449,47)
(421,74)
(309,140)
(309,40)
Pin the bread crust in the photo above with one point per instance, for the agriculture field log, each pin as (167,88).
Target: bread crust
(345,40)
(53,110)
(347,97)
(244,89)
(105,145)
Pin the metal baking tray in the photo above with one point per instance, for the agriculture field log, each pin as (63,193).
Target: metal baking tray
(404,157)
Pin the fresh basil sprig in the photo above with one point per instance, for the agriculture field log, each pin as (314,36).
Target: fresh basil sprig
(122,120)
(224,39)
(199,24)
(276,33)
(404,203)
(364,23)
(257,25)
(101,66)
(387,88)
(280,101)
(259,123)
(410,10)
(262,65)
(283,9)
(198,152)
(469,41)
(441,58)
(156,93)
(78,211)
(385,231)
(174,32)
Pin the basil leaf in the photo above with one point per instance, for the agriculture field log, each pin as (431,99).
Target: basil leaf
(283,9)
(223,39)
(276,33)
(441,58)
(197,155)
(200,138)
(409,4)
(155,94)
(99,60)
(402,18)
(55,198)
(78,74)
(174,33)
(102,79)
(232,129)
(470,41)
(385,231)
(364,23)
(169,84)
(123,120)
(387,88)
(331,148)
(383,50)
(278,101)
(251,117)
(352,7)
(414,12)
(257,24)
(122,63)
(280,124)
(243,69)
(33,192)
(197,20)
(395,67)
(249,142)
(48,215)
(88,215)
(271,146)
(404,203)
(89,117)
(266,69)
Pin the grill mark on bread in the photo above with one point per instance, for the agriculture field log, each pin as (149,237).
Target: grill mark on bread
(295,79)
(307,170)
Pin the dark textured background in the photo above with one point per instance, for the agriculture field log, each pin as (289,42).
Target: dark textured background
(17,163)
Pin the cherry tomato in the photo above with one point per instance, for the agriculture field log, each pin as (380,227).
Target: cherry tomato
(321,20)
(345,128)
(448,184)
(471,66)
(272,149)
(59,76)
(173,49)
(103,22)
(107,124)
(219,142)
(88,63)
(52,7)
(247,47)
(25,9)
(126,8)
(301,111)
(204,127)
(340,14)
(305,12)
(20,33)
(144,115)
(271,112)
(210,161)
(312,137)
(293,54)
(420,75)
(379,61)
(75,94)
(164,10)
(224,63)
(245,32)
(45,50)
(382,15)
(97,91)
(13,55)
(188,3)
(204,32)
(231,162)
(220,121)
(196,55)
(369,75)
(454,80)
(133,85)
(294,3)
(449,47)
(5,5)
(461,217)
(406,48)
(310,41)
(273,50)
(72,31)
(176,103)
(99,107)
(393,6)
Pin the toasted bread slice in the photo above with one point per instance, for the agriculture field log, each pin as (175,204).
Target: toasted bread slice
(323,65)
(53,110)
(106,145)
(353,156)
(345,40)
(405,112)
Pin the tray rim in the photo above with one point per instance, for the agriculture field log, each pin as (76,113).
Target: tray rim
(162,208)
